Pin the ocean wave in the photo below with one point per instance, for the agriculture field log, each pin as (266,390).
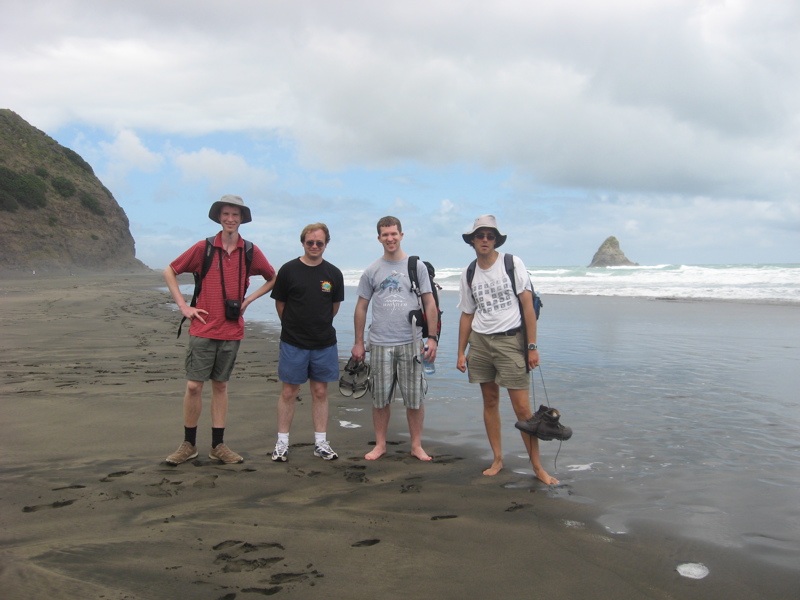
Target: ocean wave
(759,282)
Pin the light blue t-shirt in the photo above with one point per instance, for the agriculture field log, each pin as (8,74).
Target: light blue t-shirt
(387,286)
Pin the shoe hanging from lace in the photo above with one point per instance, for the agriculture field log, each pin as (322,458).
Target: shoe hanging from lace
(547,402)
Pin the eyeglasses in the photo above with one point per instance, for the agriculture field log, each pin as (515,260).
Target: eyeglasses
(489,236)
(312,243)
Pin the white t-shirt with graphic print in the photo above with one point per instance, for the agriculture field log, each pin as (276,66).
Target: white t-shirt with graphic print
(491,298)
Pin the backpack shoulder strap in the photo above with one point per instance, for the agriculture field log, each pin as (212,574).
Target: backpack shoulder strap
(471,272)
(248,257)
(208,256)
(509,264)
(412,274)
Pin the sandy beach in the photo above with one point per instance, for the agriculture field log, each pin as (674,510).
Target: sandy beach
(91,405)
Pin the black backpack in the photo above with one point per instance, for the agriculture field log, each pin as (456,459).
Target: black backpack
(207,258)
(422,318)
(509,264)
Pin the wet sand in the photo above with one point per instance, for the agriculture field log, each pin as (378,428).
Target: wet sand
(91,404)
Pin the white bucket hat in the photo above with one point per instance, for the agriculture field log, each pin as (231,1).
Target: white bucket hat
(216,208)
(485,221)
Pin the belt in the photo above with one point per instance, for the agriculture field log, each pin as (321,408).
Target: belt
(510,332)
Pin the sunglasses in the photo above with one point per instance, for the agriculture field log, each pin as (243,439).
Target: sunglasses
(488,236)
(312,243)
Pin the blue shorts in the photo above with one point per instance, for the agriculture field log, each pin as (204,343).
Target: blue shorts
(296,366)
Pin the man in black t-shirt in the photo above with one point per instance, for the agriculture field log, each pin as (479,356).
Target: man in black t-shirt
(308,291)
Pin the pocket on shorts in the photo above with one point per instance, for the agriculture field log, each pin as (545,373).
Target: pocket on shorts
(519,361)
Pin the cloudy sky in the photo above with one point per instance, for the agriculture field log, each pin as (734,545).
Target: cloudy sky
(671,124)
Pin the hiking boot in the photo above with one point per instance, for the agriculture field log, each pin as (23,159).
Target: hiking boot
(545,425)
(281,452)
(531,425)
(184,452)
(224,454)
(324,451)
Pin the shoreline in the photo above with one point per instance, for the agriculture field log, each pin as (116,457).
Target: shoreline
(92,404)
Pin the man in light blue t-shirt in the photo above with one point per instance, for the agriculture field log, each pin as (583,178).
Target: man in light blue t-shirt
(395,345)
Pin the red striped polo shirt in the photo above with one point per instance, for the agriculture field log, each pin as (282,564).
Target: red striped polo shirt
(217,327)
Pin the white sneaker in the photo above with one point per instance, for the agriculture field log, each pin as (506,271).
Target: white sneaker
(324,450)
(281,452)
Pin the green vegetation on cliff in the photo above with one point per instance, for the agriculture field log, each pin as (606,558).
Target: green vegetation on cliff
(58,214)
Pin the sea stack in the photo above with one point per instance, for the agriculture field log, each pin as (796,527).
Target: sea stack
(609,255)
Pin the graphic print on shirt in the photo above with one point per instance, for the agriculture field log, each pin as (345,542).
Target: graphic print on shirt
(326,286)
(395,299)
(494,295)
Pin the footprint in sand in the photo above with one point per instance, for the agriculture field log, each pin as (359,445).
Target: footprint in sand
(297,472)
(365,543)
(264,591)
(233,564)
(239,565)
(38,507)
(245,547)
(446,459)
(115,475)
(209,481)
(515,506)
(404,489)
(440,517)
(356,474)
(290,577)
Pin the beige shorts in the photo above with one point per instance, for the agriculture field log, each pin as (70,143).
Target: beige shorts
(497,358)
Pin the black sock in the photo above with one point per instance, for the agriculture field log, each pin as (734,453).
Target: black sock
(190,435)
(216,436)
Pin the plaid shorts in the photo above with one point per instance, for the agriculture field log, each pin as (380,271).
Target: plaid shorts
(397,366)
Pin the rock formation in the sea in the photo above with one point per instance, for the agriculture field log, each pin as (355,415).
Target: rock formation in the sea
(55,214)
(609,255)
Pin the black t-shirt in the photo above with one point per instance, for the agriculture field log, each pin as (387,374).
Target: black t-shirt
(309,294)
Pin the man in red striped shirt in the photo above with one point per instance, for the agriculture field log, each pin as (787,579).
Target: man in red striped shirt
(216,329)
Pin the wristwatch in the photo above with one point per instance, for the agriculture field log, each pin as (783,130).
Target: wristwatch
(533,347)
(434,337)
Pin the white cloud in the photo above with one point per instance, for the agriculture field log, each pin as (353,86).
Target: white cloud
(658,96)
(127,152)
(222,170)
(683,114)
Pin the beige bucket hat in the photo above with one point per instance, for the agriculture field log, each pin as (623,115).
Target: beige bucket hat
(485,221)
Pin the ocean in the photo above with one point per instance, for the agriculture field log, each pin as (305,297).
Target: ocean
(680,383)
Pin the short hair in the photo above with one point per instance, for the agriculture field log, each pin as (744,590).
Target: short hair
(314,227)
(389,222)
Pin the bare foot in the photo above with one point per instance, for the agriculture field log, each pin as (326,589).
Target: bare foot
(421,454)
(544,477)
(496,467)
(375,454)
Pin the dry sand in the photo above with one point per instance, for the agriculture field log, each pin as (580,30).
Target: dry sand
(91,404)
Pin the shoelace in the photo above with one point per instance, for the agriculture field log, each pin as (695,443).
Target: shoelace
(547,402)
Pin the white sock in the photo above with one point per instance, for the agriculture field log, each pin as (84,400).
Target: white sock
(283,437)
(319,437)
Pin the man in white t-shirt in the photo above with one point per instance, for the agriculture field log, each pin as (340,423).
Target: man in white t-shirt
(492,325)
(395,346)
